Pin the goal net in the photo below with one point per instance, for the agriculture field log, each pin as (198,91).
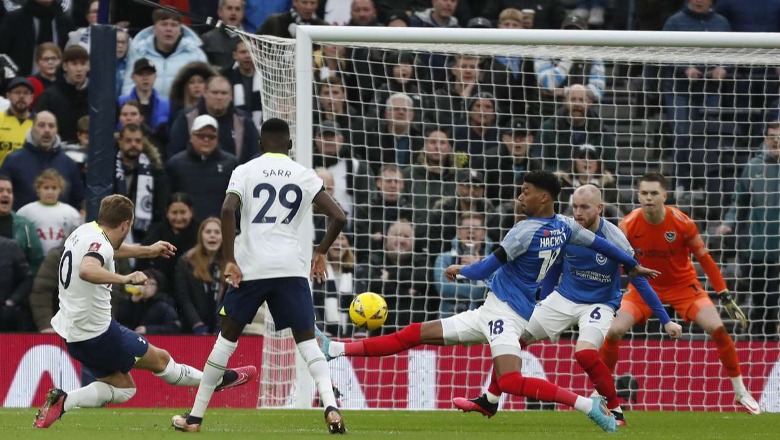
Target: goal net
(423,139)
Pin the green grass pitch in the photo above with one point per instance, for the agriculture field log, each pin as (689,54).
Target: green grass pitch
(130,423)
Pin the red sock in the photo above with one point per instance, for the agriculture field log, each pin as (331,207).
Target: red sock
(404,339)
(515,383)
(599,375)
(726,351)
(609,353)
(493,388)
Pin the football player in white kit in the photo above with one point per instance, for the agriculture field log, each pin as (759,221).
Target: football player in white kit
(103,346)
(273,193)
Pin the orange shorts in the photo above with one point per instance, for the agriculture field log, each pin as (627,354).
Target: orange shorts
(686,300)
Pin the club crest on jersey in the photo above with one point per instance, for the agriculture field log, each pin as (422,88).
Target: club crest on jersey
(670,236)
(601,259)
(94,247)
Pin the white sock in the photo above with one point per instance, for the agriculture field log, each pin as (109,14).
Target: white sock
(212,374)
(96,395)
(583,404)
(492,398)
(336,349)
(180,374)
(318,367)
(617,410)
(739,386)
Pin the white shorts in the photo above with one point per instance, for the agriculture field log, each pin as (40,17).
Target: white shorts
(556,314)
(493,323)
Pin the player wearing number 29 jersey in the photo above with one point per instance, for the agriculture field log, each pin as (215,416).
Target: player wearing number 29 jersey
(275,193)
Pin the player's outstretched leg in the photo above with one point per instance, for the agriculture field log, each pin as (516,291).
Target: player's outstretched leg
(601,378)
(95,395)
(486,404)
(402,340)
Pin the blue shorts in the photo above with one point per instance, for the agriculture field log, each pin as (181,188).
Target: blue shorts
(118,349)
(289,300)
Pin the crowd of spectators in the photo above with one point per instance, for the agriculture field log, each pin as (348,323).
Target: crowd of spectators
(425,152)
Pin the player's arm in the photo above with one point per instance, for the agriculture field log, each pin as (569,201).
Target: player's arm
(481,269)
(583,237)
(551,279)
(160,249)
(336,221)
(232,202)
(92,271)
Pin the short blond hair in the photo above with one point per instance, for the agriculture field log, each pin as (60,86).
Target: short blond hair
(510,14)
(50,174)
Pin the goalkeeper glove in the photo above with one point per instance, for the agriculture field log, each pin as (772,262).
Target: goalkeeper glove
(734,311)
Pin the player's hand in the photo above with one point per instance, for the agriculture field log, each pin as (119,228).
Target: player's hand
(673,329)
(734,311)
(641,271)
(136,278)
(319,268)
(162,249)
(233,275)
(453,271)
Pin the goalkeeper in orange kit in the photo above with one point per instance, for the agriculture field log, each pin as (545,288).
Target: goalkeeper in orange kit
(664,238)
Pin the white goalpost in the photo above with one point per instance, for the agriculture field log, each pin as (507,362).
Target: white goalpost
(417,126)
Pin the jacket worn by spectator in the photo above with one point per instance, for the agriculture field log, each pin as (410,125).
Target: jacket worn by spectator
(375,217)
(155,313)
(279,25)
(558,137)
(24,165)
(218,47)
(160,108)
(44,301)
(15,283)
(504,174)
(183,240)
(237,134)
(195,299)
(68,104)
(187,50)
(20,32)
(205,178)
(458,296)
(27,237)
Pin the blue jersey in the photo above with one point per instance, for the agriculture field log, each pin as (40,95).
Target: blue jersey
(532,247)
(590,277)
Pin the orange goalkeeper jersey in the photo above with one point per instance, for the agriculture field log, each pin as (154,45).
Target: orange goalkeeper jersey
(667,247)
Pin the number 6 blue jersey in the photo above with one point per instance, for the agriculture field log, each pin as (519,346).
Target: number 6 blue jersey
(532,247)
(275,193)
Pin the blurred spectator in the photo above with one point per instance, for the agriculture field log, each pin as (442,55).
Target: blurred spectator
(257,11)
(140,176)
(505,165)
(203,170)
(237,134)
(147,310)
(650,15)
(400,73)
(283,24)
(80,36)
(351,174)
(363,13)
(586,168)
(441,14)
(330,60)
(15,284)
(17,227)
(155,108)
(398,138)
(754,16)
(48,58)
(442,219)
(480,132)
(199,284)
(554,75)
(53,220)
(218,44)
(397,18)
(168,45)
(320,219)
(332,105)
(469,246)
(41,150)
(178,228)
(514,77)
(575,123)
(16,122)
(757,200)
(67,98)
(246,82)
(131,112)
(386,206)
(450,99)
(122,49)
(688,89)
(549,14)
(44,301)
(188,86)
(432,176)
(399,275)
(511,18)
(77,151)
(36,22)
(332,298)
(592,11)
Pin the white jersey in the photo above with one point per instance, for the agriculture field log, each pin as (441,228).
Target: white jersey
(276,192)
(52,222)
(85,308)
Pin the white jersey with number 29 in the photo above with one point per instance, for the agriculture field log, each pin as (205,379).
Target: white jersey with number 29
(85,308)
(275,194)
